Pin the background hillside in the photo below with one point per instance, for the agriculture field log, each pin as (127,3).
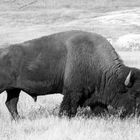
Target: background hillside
(22,20)
(106,5)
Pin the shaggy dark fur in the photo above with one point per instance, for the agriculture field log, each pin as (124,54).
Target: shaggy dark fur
(82,66)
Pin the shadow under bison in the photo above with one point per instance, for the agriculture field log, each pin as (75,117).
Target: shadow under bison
(82,66)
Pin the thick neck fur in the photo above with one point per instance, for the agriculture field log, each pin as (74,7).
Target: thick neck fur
(111,81)
(110,72)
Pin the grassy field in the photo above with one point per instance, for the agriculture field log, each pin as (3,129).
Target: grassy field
(21,20)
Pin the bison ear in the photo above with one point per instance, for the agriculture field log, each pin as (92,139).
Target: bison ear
(129,80)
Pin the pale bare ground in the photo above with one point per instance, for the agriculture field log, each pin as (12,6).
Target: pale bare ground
(41,120)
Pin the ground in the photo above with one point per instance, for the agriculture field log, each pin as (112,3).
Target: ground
(21,20)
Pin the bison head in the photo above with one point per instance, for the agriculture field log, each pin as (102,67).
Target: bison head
(129,101)
(133,84)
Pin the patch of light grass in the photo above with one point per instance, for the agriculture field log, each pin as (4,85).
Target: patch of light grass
(54,128)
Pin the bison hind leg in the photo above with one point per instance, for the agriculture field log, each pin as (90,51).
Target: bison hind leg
(11,102)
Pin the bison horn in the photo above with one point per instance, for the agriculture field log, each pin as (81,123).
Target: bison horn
(127,81)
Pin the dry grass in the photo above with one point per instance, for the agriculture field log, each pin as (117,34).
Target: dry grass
(41,123)
(45,125)
(54,128)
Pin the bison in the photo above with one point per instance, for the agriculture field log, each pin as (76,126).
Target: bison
(82,66)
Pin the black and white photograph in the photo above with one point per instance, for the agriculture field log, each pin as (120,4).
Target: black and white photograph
(69,69)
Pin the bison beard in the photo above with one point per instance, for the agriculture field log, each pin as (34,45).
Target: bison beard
(82,66)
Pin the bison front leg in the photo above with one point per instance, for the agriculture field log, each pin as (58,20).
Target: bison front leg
(75,100)
(70,104)
(65,106)
(11,102)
